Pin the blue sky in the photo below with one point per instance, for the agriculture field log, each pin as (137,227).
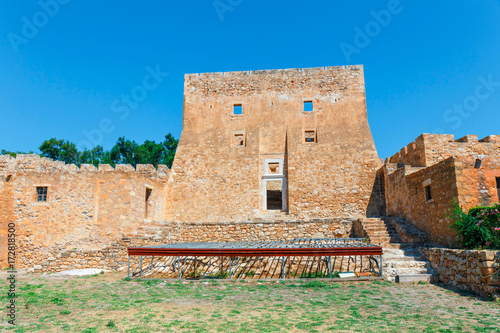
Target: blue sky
(429,66)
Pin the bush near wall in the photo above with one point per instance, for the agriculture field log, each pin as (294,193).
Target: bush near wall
(479,228)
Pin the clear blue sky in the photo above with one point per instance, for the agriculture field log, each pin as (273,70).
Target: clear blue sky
(71,72)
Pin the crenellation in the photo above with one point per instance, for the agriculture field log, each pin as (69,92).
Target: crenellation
(145,168)
(105,167)
(124,168)
(88,167)
(467,138)
(491,138)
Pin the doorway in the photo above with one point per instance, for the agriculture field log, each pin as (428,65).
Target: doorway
(274,194)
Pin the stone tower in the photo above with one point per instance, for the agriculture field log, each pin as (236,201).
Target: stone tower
(289,144)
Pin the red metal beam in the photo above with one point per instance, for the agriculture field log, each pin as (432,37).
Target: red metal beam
(254,252)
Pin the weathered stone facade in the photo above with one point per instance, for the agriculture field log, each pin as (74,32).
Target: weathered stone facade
(424,178)
(226,162)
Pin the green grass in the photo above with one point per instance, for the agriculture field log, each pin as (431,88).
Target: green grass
(108,303)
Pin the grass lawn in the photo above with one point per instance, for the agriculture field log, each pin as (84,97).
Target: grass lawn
(108,303)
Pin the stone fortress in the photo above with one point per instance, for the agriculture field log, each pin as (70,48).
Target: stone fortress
(272,154)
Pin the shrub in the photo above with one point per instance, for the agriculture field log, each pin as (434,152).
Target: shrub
(479,227)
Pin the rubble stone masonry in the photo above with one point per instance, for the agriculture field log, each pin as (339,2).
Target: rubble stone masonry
(478,271)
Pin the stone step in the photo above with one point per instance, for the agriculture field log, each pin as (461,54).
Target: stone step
(413,278)
(406,264)
(389,257)
(408,251)
(412,270)
(397,245)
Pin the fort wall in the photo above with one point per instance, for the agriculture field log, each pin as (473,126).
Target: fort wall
(424,178)
(85,208)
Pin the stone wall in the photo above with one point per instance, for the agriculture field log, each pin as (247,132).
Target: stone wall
(463,170)
(219,173)
(114,256)
(478,271)
(406,198)
(87,208)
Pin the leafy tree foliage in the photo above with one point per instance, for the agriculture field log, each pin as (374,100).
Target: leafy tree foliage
(123,152)
(13,153)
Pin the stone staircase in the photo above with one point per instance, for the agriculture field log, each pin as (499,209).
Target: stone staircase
(407,264)
(402,262)
(380,231)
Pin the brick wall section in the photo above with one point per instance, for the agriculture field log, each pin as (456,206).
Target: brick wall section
(214,180)
(467,269)
(114,256)
(87,208)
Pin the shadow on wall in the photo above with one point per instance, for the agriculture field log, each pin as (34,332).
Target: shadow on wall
(376,204)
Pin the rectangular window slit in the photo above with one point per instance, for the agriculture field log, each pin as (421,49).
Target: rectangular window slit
(428,193)
(148,195)
(477,165)
(41,194)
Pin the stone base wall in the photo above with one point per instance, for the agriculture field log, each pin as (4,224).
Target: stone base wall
(474,270)
(115,257)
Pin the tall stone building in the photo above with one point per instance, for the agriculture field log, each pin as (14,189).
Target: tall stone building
(292,143)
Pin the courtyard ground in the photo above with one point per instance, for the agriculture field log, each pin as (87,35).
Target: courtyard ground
(110,303)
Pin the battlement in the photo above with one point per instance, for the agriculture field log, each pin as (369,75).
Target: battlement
(35,163)
(428,149)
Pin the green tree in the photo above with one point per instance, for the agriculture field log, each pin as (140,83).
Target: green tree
(123,152)
(60,150)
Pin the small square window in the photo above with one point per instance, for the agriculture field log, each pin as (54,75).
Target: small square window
(308,106)
(237,109)
(310,136)
(239,140)
(477,165)
(41,194)
(428,193)
(274,168)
